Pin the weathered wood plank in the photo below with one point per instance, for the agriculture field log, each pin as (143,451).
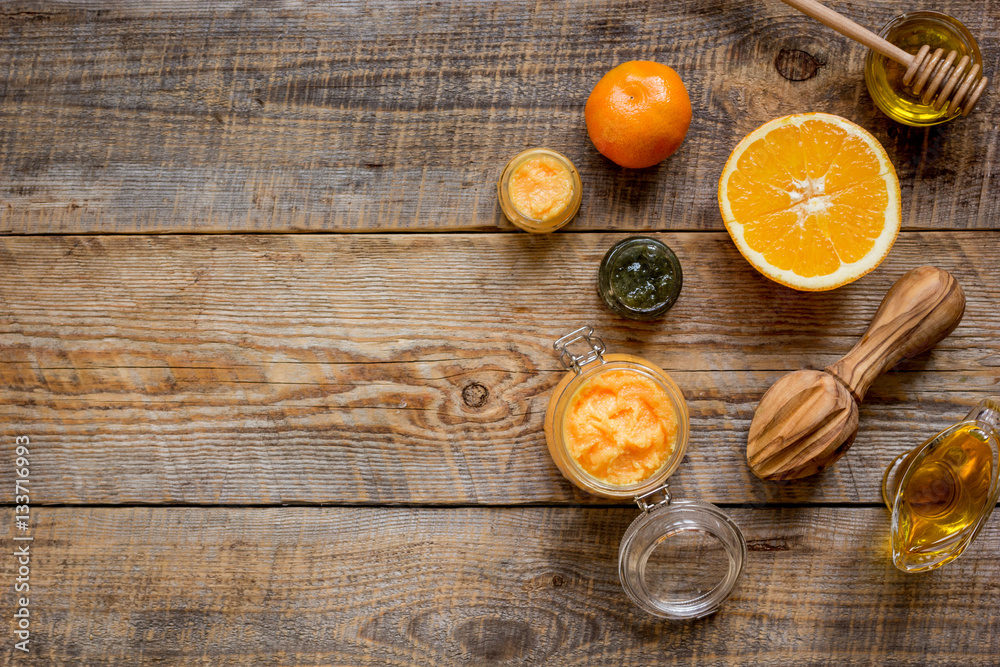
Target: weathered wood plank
(386,586)
(378,116)
(417,368)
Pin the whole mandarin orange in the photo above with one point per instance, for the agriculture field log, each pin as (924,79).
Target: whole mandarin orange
(638,113)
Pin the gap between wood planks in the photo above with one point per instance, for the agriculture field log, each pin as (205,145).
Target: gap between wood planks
(446,506)
(418,232)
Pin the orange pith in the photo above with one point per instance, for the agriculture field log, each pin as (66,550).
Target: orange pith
(638,113)
(811,200)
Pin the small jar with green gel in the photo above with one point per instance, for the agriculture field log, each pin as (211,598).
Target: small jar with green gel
(640,278)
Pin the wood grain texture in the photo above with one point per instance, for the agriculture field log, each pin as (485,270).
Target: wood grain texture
(488,586)
(414,369)
(417,368)
(167,116)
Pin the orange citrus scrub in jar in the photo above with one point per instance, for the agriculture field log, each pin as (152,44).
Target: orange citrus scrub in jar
(539,190)
(620,427)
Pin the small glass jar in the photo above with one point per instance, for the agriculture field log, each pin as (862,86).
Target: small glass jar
(526,222)
(678,559)
(640,278)
(909,32)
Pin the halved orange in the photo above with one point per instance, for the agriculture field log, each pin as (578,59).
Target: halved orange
(811,200)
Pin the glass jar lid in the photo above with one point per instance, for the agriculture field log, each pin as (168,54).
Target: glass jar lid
(680,559)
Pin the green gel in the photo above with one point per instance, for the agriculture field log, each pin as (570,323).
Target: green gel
(640,278)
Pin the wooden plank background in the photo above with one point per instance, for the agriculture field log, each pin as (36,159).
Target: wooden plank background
(256,364)
(360,116)
(381,586)
(339,435)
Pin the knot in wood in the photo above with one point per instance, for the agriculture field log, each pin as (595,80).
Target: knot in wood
(796,65)
(475,395)
(495,639)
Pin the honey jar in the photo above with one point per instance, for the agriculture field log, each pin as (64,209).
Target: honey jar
(617,426)
(909,32)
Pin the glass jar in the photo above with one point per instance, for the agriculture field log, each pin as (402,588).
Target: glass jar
(909,32)
(678,559)
(591,364)
(526,222)
(640,278)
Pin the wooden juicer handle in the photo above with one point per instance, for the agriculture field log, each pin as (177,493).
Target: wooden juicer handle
(920,310)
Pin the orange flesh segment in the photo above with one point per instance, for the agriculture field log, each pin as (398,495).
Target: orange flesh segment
(621,427)
(809,197)
(541,188)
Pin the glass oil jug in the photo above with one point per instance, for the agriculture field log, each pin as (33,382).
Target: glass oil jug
(942,492)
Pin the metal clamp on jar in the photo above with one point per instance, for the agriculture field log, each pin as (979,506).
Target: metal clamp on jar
(678,559)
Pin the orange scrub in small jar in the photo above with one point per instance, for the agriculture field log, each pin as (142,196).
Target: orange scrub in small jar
(541,188)
(620,427)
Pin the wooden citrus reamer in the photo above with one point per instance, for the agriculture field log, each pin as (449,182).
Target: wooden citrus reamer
(808,418)
(927,72)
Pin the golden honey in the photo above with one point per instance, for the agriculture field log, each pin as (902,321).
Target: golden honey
(909,32)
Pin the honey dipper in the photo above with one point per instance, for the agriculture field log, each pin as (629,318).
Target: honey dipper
(808,418)
(927,71)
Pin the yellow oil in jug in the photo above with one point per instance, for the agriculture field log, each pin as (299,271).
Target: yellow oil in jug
(945,494)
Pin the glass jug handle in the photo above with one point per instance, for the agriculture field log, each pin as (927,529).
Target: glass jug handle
(987,412)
